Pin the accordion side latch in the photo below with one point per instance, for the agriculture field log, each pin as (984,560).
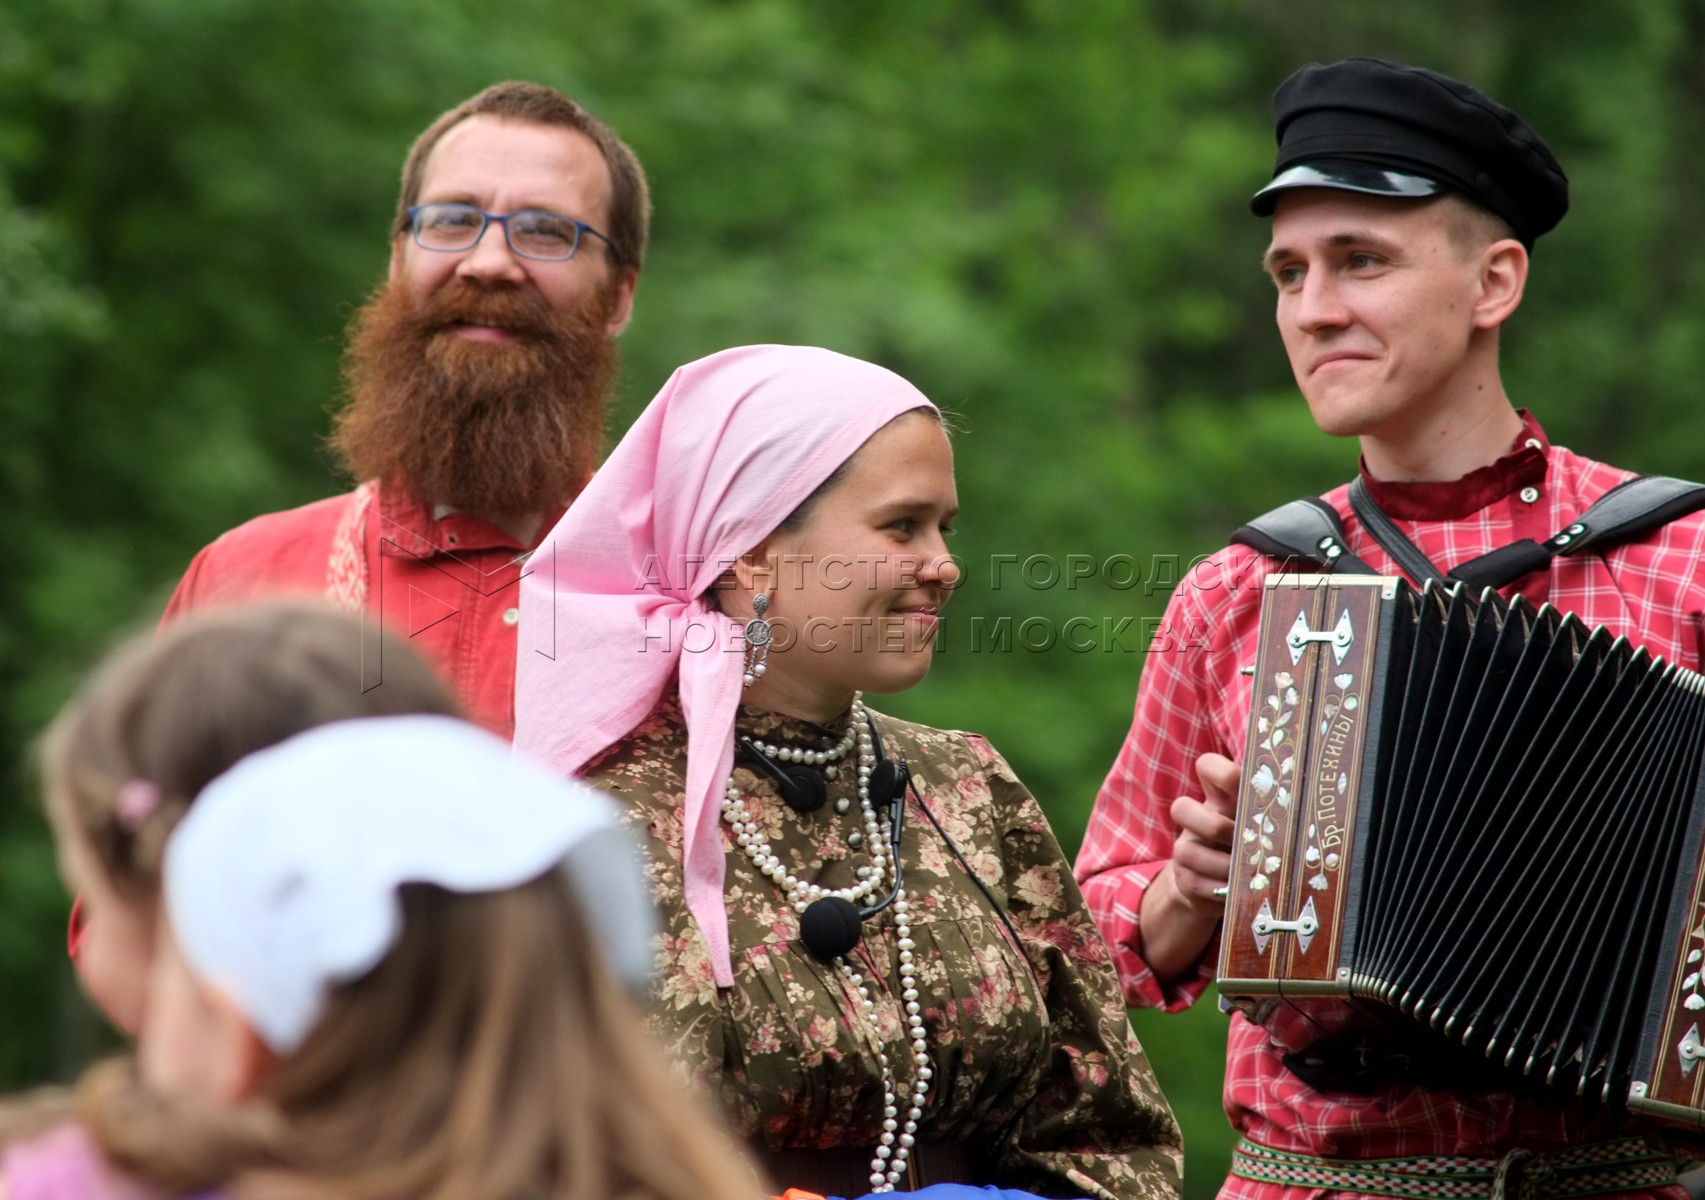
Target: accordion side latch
(1265,925)
(1340,637)
(1691,1049)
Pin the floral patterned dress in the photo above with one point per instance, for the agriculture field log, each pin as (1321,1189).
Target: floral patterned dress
(1036,1072)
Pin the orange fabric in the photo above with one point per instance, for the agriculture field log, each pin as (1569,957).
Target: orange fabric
(446,584)
(74,928)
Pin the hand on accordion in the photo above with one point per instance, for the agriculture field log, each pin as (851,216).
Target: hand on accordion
(1201,857)
(1183,907)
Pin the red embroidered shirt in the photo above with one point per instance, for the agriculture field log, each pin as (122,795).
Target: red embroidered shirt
(1192,700)
(448,584)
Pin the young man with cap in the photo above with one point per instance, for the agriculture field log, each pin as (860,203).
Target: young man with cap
(1404,207)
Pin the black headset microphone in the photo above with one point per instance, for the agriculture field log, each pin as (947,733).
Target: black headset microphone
(801,788)
(832,926)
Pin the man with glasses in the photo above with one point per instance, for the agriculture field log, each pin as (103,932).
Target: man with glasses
(479,374)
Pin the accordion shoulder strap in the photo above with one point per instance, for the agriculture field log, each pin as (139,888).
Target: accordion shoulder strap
(1310,531)
(1626,512)
(1392,540)
(1307,530)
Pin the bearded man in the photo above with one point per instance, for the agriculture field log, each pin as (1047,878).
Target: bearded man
(479,375)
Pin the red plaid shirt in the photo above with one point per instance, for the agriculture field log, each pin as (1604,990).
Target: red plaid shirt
(1192,700)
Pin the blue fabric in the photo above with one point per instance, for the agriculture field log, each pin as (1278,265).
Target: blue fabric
(954,1191)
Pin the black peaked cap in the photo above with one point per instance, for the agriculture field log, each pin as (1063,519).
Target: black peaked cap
(1371,126)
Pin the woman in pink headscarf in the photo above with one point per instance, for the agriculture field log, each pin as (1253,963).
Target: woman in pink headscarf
(765,546)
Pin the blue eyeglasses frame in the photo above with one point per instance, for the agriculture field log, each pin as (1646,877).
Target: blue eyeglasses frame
(581,228)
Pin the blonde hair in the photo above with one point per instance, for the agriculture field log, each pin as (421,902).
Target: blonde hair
(489,1056)
(179,709)
(1471,227)
(28,1114)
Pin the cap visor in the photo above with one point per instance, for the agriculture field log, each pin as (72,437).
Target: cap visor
(1344,177)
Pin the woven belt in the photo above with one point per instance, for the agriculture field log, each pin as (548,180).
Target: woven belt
(845,1170)
(1622,1165)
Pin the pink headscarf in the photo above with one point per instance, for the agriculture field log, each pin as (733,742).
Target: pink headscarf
(613,601)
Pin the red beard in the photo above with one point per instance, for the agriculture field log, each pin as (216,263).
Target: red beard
(491,428)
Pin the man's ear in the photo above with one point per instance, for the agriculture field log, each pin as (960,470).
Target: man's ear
(396,258)
(1503,277)
(621,310)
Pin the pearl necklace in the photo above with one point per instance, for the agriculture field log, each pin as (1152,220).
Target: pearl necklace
(894,1147)
(825,758)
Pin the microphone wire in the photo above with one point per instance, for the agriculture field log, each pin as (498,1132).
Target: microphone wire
(896,823)
(988,893)
(1012,931)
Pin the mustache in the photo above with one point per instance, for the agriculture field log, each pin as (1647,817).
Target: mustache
(510,426)
(459,302)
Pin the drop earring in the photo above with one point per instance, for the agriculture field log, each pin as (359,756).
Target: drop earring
(757,634)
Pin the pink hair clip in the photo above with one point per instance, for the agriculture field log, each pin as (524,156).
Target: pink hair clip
(137,801)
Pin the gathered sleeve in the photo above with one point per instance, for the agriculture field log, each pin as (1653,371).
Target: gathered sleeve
(1034,1070)
(1191,701)
(1097,1120)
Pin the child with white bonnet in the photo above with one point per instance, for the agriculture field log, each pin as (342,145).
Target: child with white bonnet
(392,960)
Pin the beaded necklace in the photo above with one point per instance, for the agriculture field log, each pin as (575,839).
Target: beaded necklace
(888,1165)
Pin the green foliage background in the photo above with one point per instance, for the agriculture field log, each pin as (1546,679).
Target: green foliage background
(1034,209)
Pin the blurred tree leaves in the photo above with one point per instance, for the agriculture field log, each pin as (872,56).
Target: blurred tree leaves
(1034,210)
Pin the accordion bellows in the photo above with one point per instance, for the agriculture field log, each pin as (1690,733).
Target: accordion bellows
(1480,820)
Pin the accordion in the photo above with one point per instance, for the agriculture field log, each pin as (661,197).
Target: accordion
(1481,822)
